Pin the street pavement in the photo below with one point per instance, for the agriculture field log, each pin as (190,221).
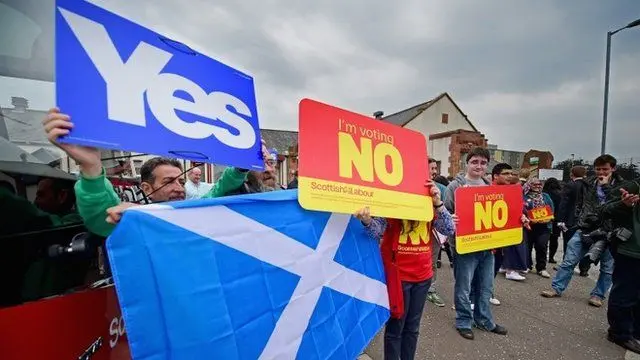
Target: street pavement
(539,328)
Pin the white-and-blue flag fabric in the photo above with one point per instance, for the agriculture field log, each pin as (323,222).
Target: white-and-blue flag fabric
(246,277)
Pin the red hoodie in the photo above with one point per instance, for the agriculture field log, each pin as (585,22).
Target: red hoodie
(413,256)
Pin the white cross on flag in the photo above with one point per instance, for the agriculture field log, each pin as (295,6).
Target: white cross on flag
(246,277)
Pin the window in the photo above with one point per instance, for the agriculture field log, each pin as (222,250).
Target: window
(137,164)
(36,231)
(445,118)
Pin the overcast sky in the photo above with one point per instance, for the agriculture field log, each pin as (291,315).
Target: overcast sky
(529,74)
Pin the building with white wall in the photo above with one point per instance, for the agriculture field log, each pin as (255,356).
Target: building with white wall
(448,130)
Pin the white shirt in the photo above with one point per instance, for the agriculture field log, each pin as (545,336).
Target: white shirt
(196,191)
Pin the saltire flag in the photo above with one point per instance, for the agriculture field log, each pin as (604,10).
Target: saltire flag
(246,277)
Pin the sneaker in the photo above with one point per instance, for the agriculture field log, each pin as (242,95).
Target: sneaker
(494,301)
(550,294)
(515,276)
(544,273)
(438,264)
(595,301)
(632,345)
(435,299)
(466,333)
(502,271)
(500,330)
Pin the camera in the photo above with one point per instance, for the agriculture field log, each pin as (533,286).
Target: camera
(621,234)
(598,241)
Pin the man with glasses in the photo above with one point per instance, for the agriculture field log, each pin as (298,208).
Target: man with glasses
(97,202)
(473,270)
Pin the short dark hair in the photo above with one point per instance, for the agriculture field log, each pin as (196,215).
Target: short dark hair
(497,170)
(441,180)
(479,151)
(604,160)
(146,171)
(432,160)
(61,185)
(579,171)
(552,184)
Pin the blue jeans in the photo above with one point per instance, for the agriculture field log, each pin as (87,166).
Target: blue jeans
(576,251)
(401,335)
(466,267)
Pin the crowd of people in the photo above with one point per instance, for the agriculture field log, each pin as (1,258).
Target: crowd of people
(602,205)
(411,250)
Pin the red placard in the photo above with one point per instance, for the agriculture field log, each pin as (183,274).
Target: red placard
(348,160)
(490,217)
(541,214)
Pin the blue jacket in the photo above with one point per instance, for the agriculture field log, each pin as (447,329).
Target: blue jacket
(547,200)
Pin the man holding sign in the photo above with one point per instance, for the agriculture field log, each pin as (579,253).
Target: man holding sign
(97,202)
(467,265)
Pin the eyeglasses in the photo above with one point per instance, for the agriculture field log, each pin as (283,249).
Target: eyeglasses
(478,162)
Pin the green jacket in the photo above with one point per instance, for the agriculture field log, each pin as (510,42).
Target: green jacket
(625,216)
(95,195)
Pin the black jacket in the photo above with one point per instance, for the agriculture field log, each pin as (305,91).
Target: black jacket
(590,217)
(571,202)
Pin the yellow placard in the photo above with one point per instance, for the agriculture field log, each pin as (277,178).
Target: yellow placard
(347,198)
(489,240)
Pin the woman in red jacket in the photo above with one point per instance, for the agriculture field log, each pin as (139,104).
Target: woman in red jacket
(406,254)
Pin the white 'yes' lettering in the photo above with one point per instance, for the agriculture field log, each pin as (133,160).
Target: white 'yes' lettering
(128,81)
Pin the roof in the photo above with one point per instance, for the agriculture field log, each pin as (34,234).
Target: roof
(23,127)
(403,117)
(279,139)
(15,160)
(46,156)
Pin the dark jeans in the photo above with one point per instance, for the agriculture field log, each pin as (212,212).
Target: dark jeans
(538,239)
(401,335)
(435,252)
(624,299)
(553,242)
(447,249)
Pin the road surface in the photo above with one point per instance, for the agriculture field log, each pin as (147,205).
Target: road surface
(539,328)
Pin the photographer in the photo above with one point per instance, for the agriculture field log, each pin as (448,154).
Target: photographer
(598,192)
(624,303)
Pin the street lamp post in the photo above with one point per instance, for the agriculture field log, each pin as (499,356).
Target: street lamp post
(606,82)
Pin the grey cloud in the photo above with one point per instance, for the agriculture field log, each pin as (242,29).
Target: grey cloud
(544,59)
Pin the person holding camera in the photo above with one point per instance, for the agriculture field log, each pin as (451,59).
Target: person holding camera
(624,302)
(598,192)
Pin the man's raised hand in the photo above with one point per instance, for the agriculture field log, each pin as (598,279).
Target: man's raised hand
(57,124)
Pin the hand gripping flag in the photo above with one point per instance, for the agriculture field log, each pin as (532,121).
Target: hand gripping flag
(246,277)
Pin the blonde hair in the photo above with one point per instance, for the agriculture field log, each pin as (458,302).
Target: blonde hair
(524,174)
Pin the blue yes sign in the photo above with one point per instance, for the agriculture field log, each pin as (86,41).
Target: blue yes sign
(129,88)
